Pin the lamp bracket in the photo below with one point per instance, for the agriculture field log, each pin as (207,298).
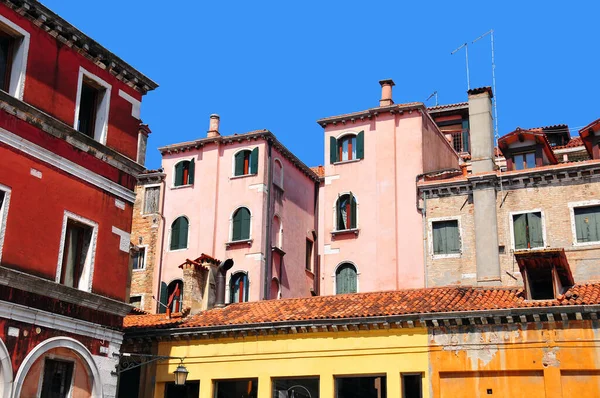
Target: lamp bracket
(128,361)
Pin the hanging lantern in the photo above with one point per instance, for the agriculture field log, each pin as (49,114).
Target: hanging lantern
(181,374)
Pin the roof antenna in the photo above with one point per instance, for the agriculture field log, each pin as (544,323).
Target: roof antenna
(466,46)
(432,95)
(495,99)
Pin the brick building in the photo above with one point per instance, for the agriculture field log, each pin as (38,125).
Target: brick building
(71,146)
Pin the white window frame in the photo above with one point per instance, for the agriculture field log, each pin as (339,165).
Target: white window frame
(4,215)
(342,135)
(512,229)
(231,225)
(92,224)
(187,245)
(574,205)
(335,273)
(174,173)
(145,247)
(18,71)
(228,287)
(249,165)
(141,300)
(430,237)
(335,203)
(144,200)
(102,113)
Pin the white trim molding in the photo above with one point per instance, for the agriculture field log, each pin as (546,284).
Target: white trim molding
(65,165)
(4,215)
(430,237)
(6,372)
(572,206)
(18,72)
(101,126)
(512,228)
(87,274)
(60,342)
(136,106)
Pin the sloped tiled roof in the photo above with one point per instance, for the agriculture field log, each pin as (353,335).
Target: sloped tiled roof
(437,108)
(319,170)
(573,143)
(365,305)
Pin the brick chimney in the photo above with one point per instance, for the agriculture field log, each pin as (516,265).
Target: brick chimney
(481,131)
(213,128)
(386,92)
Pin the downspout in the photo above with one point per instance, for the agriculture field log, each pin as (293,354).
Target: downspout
(268,246)
(162,237)
(316,263)
(214,240)
(423,226)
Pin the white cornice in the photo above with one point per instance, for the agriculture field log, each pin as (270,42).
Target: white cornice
(72,168)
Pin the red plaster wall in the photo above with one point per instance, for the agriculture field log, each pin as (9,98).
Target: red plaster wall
(51,85)
(35,217)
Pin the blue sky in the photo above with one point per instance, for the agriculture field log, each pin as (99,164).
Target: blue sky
(282,65)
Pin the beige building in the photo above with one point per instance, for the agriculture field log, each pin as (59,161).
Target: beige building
(145,239)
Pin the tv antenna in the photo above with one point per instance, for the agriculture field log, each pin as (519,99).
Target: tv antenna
(491,34)
(434,94)
(466,46)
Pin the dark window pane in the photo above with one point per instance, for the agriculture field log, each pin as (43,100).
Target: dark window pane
(411,386)
(136,301)
(360,387)
(88,104)
(57,379)
(541,285)
(138,258)
(6,54)
(296,388)
(78,238)
(191,389)
(246,388)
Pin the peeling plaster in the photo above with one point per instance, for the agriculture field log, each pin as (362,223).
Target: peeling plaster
(549,358)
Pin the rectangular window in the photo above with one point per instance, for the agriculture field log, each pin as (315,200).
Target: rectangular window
(57,379)
(527,229)
(446,237)
(191,389)
(88,107)
(243,388)
(302,387)
(587,224)
(541,283)
(151,200)
(524,161)
(139,258)
(136,301)
(76,258)
(92,106)
(309,254)
(360,387)
(412,386)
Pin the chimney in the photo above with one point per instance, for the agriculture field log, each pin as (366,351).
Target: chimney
(480,129)
(221,281)
(213,128)
(386,92)
(484,192)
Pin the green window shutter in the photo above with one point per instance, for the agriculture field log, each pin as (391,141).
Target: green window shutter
(239,163)
(536,237)
(254,161)
(164,296)
(452,237)
(333,151)
(594,224)
(438,231)
(465,135)
(581,225)
(520,231)
(183,233)
(191,171)
(360,145)
(352,211)
(345,281)
(179,174)
(587,224)
(237,226)
(245,225)
(175,227)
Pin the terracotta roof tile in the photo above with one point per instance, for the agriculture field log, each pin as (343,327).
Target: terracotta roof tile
(364,305)
(446,106)
(319,170)
(573,143)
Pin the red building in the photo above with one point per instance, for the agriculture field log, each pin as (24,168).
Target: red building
(71,146)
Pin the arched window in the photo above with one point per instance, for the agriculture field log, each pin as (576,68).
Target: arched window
(276,231)
(345,212)
(278,173)
(246,162)
(347,147)
(179,233)
(241,224)
(175,295)
(238,288)
(184,173)
(345,279)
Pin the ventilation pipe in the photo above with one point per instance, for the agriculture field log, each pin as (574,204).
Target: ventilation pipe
(221,280)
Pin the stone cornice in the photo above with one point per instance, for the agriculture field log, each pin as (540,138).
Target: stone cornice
(370,113)
(34,284)
(69,35)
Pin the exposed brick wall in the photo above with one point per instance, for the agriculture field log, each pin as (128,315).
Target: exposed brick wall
(552,200)
(148,227)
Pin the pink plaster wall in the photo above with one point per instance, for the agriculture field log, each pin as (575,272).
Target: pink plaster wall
(388,250)
(209,205)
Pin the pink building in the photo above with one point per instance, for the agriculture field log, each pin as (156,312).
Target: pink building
(244,197)
(370,229)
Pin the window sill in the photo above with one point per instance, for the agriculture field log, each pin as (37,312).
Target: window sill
(278,250)
(238,243)
(139,269)
(347,161)
(182,186)
(345,232)
(242,176)
(450,255)
(177,250)
(586,244)
(529,249)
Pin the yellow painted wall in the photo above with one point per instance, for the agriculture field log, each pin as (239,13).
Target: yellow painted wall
(374,352)
(539,360)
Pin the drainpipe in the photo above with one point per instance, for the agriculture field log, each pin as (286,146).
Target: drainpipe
(162,237)
(268,249)
(424,217)
(316,265)
(220,282)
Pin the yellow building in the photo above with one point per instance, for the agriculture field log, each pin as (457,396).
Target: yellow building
(438,342)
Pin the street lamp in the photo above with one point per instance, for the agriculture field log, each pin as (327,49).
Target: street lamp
(181,374)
